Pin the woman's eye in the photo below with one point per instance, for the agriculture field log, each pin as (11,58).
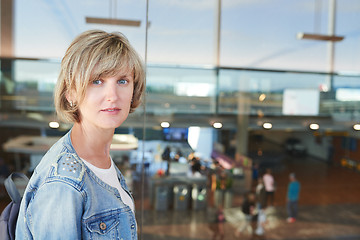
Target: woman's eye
(97,82)
(123,81)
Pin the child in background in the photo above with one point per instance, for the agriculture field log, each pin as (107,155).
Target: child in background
(261,222)
(219,223)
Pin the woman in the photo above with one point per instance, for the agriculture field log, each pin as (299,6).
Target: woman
(269,184)
(76,192)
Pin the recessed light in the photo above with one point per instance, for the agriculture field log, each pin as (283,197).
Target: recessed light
(54,124)
(314,126)
(165,124)
(267,125)
(357,127)
(217,125)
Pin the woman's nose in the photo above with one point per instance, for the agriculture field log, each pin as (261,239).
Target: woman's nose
(111,93)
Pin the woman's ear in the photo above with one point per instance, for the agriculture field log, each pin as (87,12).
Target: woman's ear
(70,97)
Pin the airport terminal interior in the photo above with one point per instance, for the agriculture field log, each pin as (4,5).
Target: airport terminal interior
(234,89)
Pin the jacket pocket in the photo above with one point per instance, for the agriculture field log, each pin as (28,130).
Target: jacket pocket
(103,226)
(112,224)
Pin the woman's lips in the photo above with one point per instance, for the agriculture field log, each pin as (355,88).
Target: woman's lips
(110,110)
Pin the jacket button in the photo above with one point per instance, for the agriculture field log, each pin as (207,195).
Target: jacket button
(102,226)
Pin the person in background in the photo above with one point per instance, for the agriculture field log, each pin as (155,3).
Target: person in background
(269,183)
(76,191)
(194,171)
(261,206)
(260,227)
(293,193)
(255,174)
(195,165)
(219,221)
(166,157)
(178,155)
(260,194)
(212,175)
(251,215)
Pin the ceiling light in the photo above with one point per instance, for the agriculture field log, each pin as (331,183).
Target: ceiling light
(320,37)
(217,125)
(267,125)
(54,124)
(262,97)
(314,126)
(357,127)
(165,124)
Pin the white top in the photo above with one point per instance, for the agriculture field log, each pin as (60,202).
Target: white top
(109,176)
(269,182)
(258,188)
(261,222)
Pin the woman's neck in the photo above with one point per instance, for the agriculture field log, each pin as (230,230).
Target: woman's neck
(92,144)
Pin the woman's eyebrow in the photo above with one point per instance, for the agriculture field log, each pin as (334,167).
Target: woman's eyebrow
(125,75)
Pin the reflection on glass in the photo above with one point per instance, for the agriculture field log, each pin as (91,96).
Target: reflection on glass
(28,86)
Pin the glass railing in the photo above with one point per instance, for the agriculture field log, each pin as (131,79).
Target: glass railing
(181,89)
(27,86)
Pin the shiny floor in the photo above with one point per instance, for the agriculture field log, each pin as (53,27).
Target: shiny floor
(329,208)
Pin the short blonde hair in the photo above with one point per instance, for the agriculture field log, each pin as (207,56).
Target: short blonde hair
(92,55)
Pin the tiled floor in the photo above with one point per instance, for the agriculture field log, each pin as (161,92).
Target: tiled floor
(326,222)
(329,208)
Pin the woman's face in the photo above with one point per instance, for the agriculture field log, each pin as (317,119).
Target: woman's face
(107,101)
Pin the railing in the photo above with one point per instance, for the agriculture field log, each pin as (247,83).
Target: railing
(27,85)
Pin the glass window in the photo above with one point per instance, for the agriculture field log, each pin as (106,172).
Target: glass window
(181,32)
(263,35)
(180,90)
(260,59)
(46,28)
(347,54)
(263,90)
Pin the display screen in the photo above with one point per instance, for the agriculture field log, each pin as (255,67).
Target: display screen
(175,134)
(299,102)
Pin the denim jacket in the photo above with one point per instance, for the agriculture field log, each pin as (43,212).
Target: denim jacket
(66,200)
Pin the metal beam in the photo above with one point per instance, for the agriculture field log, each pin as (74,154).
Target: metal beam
(6,28)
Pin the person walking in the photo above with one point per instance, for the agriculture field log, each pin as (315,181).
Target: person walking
(293,193)
(269,183)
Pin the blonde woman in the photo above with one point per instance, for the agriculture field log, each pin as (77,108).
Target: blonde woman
(76,192)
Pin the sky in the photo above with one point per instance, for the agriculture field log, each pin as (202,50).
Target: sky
(254,33)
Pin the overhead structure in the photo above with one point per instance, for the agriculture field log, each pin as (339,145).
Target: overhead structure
(321,37)
(331,37)
(112,20)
